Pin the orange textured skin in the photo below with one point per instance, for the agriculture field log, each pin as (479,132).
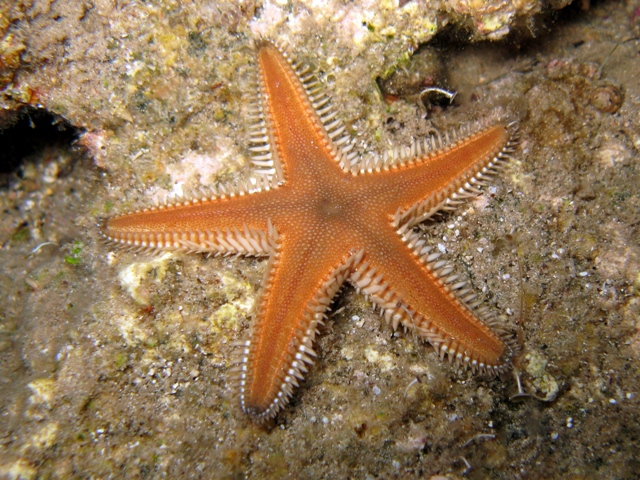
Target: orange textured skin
(329,223)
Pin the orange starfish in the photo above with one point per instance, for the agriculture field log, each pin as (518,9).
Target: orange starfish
(323,216)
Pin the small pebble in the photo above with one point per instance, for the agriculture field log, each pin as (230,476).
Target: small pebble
(607,98)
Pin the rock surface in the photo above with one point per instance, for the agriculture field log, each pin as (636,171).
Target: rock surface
(114,364)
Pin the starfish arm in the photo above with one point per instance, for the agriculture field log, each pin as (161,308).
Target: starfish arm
(297,290)
(431,178)
(296,127)
(415,289)
(223,225)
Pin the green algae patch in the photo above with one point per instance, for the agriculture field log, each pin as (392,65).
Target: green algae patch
(121,360)
(75,253)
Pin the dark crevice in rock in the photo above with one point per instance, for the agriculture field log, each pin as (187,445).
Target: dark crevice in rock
(31,131)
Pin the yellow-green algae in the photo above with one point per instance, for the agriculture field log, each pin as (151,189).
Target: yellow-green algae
(135,277)
(536,366)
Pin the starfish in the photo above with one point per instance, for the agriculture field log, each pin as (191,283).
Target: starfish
(323,216)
